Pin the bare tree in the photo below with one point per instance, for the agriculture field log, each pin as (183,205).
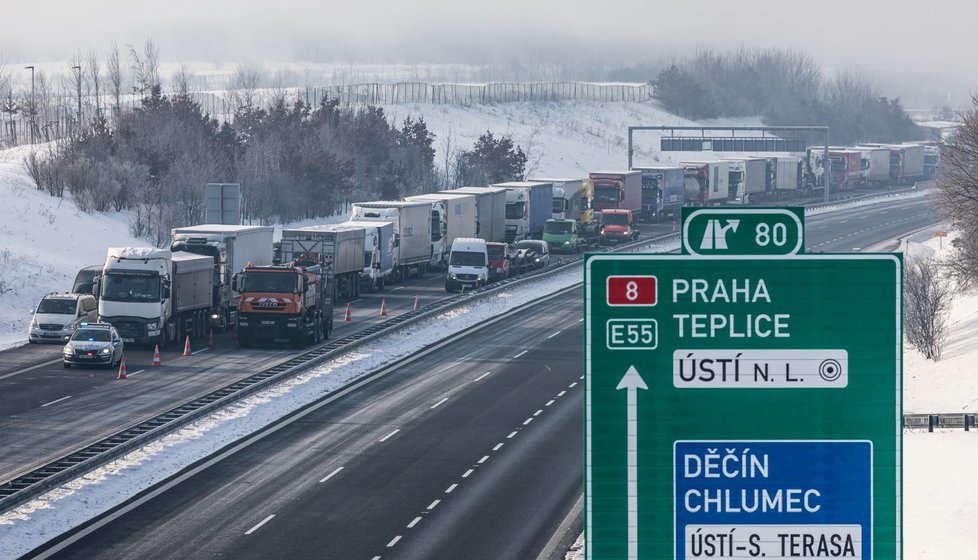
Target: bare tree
(450,150)
(957,187)
(95,80)
(181,80)
(115,77)
(244,88)
(145,68)
(534,153)
(927,302)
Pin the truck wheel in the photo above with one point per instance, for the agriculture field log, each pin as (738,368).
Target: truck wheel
(67,365)
(380,285)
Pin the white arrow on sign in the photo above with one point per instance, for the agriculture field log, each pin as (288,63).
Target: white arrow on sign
(632,381)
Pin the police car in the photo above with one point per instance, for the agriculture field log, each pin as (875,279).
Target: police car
(95,344)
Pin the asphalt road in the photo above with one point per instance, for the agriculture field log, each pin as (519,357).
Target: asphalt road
(471,451)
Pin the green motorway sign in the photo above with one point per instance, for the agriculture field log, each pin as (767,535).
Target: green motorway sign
(743,406)
(743,231)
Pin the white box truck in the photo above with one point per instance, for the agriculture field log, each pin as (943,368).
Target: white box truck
(231,247)
(154,295)
(412,231)
(490,203)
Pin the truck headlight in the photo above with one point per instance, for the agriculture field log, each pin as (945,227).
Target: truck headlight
(152,326)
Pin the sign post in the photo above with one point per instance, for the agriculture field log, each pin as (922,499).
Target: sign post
(742,406)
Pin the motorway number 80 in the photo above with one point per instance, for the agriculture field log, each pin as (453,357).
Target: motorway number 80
(632,334)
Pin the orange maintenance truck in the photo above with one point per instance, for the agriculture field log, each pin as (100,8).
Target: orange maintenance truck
(290,302)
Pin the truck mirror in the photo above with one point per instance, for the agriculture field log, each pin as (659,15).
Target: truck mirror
(397,240)
(377,265)
(234,283)
(166,289)
(305,283)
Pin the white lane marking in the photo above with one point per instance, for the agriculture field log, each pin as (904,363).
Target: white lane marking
(553,335)
(32,368)
(355,300)
(201,350)
(483,375)
(483,459)
(537,413)
(413,522)
(467,473)
(496,448)
(511,435)
(397,288)
(433,504)
(450,488)
(581,377)
(439,403)
(550,402)
(375,558)
(393,541)
(527,421)
(520,354)
(57,401)
(572,385)
(260,523)
(331,475)
(383,439)
(562,393)
(580,320)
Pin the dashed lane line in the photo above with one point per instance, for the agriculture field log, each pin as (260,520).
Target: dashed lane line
(451,488)
(260,523)
(467,473)
(331,475)
(483,459)
(520,354)
(433,505)
(413,522)
(57,401)
(439,403)
(393,541)
(553,335)
(388,436)
(481,376)
(498,445)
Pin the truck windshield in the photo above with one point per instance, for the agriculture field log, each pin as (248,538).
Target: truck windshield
(467,258)
(558,206)
(514,210)
(139,287)
(558,227)
(276,282)
(495,251)
(614,219)
(57,306)
(606,194)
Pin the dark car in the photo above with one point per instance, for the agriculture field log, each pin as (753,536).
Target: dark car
(532,254)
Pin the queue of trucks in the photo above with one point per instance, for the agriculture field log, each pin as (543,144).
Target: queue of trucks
(233,276)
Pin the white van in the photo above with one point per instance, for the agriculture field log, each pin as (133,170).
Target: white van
(468,264)
(58,315)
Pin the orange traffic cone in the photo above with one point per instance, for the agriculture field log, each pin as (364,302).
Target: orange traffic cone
(417,300)
(383,307)
(186,347)
(210,340)
(347,316)
(122,369)
(156,356)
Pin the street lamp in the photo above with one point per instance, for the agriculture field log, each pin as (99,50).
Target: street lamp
(33,108)
(78,80)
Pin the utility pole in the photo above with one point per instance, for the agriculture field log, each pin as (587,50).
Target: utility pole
(33,105)
(78,77)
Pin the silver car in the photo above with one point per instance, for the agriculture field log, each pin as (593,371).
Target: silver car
(94,344)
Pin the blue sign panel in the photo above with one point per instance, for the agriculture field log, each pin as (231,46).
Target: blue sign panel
(773,499)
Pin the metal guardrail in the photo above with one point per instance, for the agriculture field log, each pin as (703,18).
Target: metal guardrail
(953,421)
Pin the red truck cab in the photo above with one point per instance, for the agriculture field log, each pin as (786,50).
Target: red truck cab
(617,226)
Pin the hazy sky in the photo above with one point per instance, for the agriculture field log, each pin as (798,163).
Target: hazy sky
(931,39)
